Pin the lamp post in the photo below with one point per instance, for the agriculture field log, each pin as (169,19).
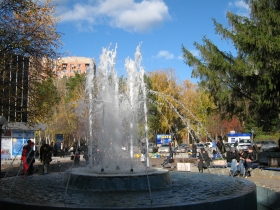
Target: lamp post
(252,135)
(2,122)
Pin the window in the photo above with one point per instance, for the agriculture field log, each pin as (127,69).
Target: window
(79,65)
(79,71)
(72,71)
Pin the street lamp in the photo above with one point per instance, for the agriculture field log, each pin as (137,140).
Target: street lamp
(252,135)
(2,122)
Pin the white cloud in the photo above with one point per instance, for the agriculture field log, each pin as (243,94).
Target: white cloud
(165,54)
(243,9)
(195,52)
(129,15)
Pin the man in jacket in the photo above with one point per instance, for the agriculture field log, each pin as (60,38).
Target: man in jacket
(251,158)
(45,156)
(233,158)
(240,168)
(220,145)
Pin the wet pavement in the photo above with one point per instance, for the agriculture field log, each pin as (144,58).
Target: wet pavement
(267,179)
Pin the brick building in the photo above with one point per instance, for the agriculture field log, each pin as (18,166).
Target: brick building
(70,65)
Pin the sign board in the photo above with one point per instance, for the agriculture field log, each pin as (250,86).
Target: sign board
(6,148)
(163,138)
(59,140)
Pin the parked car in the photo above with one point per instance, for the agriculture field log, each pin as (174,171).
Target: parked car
(180,149)
(268,144)
(265,155)
(243,144)
(164,148)
(208,144)
(259,144)
(152,148)
(199,147)
(186,146)
(228,146)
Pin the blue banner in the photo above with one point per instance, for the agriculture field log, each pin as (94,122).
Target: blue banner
(59,140)
(163,138)
(17,144)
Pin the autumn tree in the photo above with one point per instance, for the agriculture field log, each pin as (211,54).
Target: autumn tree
(166,95)
(68,115)
(28,44)
(245,85)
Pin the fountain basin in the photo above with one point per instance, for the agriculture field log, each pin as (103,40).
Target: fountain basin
(88,179)
(192,191)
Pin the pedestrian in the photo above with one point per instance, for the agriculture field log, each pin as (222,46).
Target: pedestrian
(46,156)
(27,158)
(194,149)
(62,151)
(214,154)
(55,149)
(220,145)
(54,146)
(233,158)
(203,160)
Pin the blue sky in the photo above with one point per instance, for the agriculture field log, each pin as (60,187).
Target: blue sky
(161,27)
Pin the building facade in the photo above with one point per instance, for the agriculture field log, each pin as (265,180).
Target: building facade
(68,66)
(14,85)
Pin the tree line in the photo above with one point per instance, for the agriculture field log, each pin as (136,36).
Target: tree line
(235,92)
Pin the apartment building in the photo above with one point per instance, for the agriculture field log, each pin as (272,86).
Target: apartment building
(70,65)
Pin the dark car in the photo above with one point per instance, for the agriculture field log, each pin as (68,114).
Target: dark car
(269,153)
(268,144)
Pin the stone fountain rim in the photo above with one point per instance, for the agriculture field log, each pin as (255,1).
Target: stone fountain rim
(122,174)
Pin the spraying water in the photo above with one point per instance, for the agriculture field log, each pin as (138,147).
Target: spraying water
(115,110)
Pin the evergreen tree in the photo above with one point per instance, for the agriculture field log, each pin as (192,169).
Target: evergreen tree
(245,84)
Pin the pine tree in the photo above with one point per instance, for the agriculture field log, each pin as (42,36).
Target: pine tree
(245,84)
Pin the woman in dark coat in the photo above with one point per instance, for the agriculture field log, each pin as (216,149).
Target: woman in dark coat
(45,156)
(203,160)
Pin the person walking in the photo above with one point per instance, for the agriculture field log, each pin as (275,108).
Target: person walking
(45,156)
(194,149)
(220,145)
(203,160)
(27,158)
(62,151)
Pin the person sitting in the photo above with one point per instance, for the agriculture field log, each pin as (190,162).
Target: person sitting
(233,158)
(251,158)
(241,165)
(203,160)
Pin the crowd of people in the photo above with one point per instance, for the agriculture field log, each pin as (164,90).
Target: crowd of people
(46,152)
(28,157)
(241,162)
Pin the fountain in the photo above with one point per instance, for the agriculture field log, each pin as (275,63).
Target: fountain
(113,178)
